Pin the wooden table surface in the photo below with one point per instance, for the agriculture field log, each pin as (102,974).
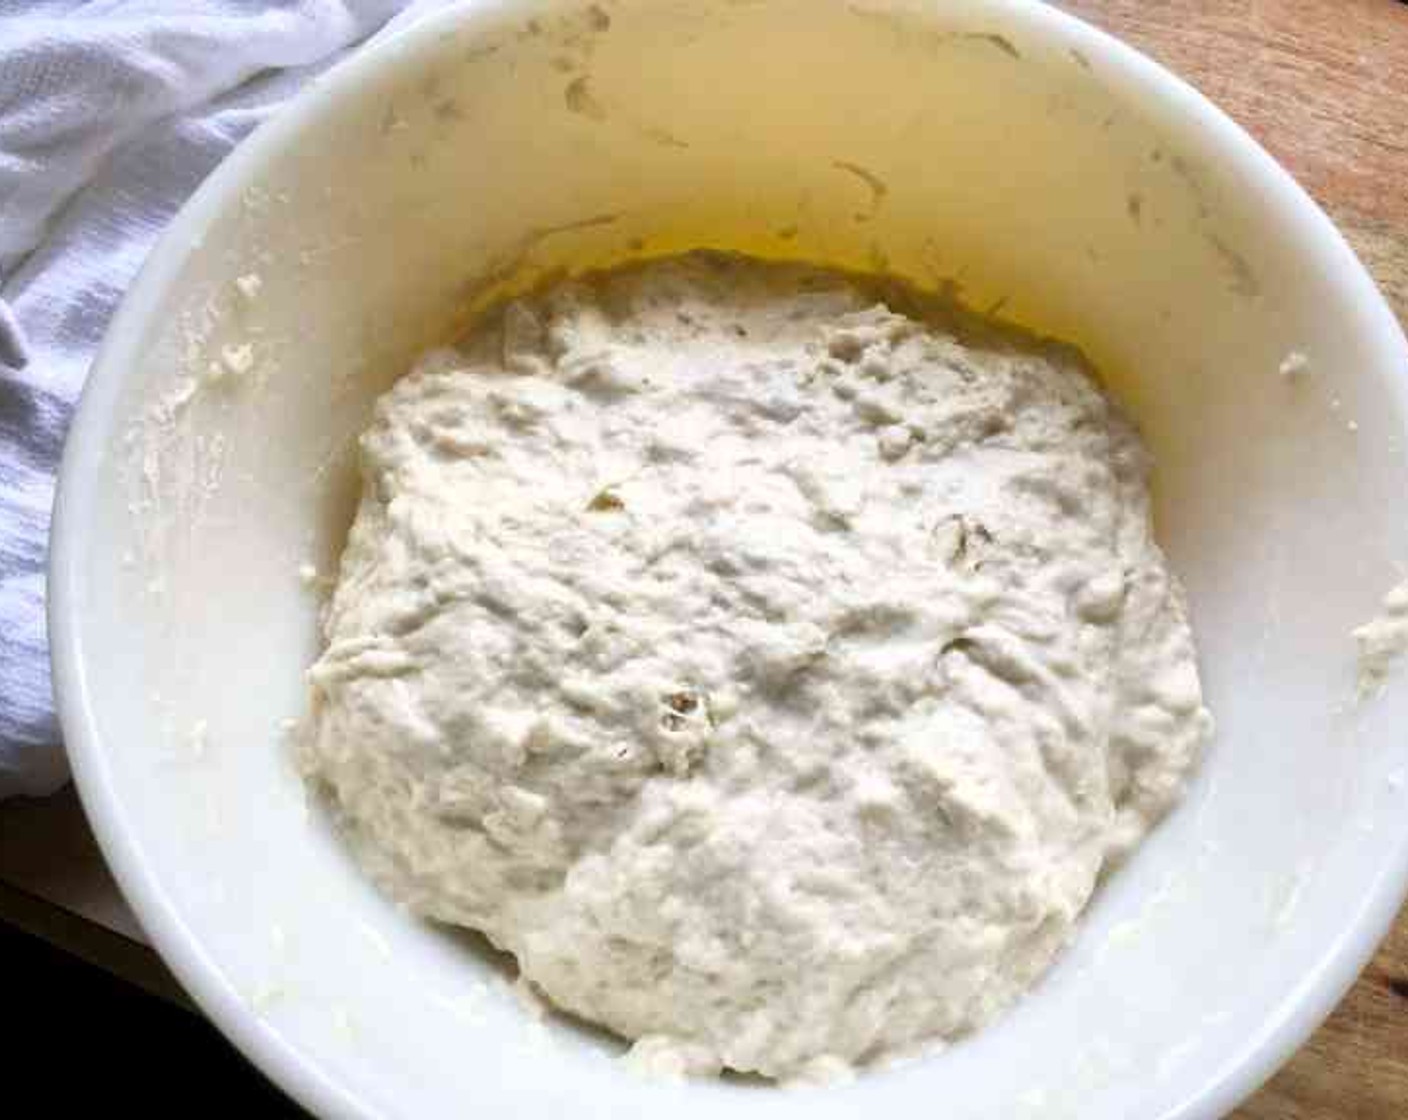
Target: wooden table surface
(1323,84)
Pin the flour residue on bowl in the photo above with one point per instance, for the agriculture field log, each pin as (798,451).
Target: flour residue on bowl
(175,458)
(1382,641)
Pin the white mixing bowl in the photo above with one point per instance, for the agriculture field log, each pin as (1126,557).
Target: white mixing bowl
(1001,146)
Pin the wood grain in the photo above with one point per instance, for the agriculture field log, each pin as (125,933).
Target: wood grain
(1323,84)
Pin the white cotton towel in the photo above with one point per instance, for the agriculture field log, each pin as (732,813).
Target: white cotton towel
(111,113)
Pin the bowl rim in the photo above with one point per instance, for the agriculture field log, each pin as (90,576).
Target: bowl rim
(1289,1023)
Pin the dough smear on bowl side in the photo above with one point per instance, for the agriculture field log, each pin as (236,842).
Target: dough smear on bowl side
(1382,641)
(769,659)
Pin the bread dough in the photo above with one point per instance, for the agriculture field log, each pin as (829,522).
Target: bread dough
(770,660)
